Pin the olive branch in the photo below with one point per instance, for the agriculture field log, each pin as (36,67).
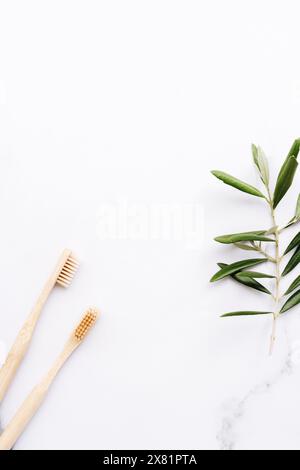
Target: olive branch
(259,240)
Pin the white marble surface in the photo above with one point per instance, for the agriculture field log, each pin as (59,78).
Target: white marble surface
(108,107)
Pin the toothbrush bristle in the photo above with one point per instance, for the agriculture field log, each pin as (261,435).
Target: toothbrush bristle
(86,324)
(68,271)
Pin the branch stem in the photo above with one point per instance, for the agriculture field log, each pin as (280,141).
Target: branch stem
(277,259)
(263,252)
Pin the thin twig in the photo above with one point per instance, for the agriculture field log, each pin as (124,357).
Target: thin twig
(277,276)
(263,252)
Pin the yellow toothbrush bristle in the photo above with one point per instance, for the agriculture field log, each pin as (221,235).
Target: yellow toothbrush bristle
(86,324)
(68,271)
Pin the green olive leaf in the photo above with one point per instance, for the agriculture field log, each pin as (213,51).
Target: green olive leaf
(293,262)
(245,313)
(293,286)
(243,237)
(251,282)
(256,274)
(235,267)
(297,211)
(236,183)
(261,162)
(247,280)
(295,148)
(254,154)
(296,217)
(294,243)
(290,223)
(291,302)
(286,173)
(285,179)
(244,246)
(294,152)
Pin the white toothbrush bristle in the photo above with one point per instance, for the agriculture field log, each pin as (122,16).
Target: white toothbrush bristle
(68,271)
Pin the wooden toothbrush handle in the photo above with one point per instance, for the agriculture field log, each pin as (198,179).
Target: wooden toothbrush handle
(22,342)
(17,425)
(32,403)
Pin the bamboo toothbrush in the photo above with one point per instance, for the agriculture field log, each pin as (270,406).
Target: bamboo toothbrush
(34,400)
(62,275)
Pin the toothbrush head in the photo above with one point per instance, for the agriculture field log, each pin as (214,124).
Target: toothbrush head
(86,324)
(67,271)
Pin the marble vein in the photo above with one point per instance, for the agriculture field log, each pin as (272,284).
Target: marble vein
(235,409)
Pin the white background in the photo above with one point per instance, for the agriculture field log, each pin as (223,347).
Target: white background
(109,101)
